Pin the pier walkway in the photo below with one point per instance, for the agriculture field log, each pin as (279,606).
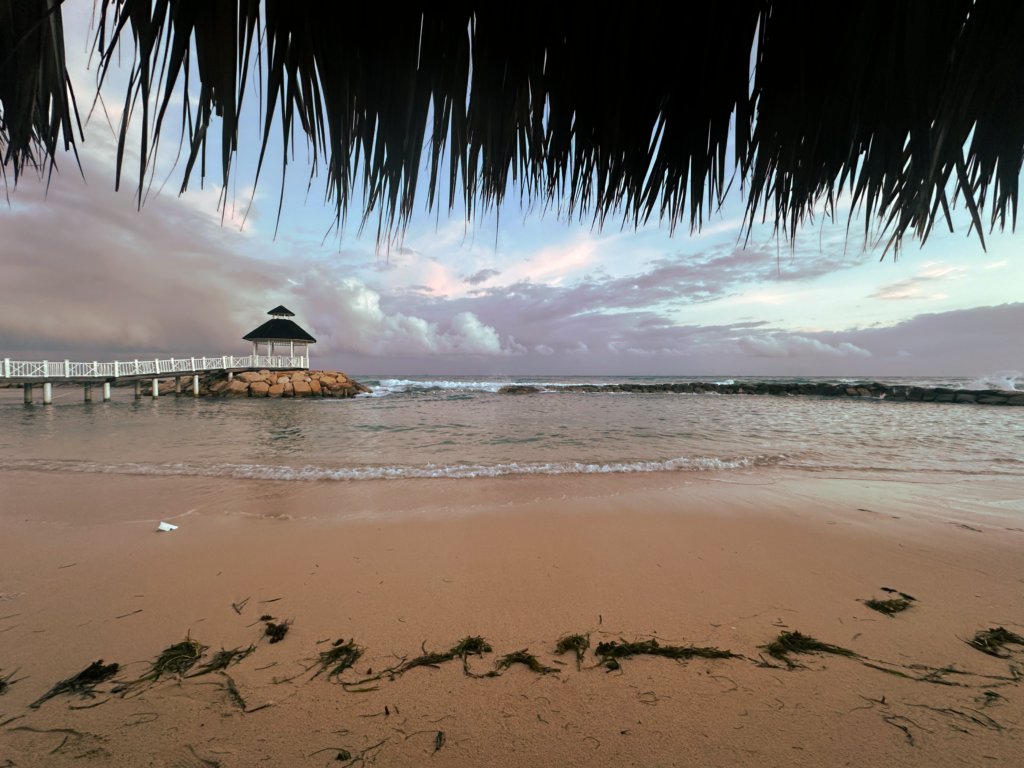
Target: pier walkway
(48,372)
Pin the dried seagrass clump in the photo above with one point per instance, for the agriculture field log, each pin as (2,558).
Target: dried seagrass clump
(5,682)
(222,659)
(82,684)
(578,644)
(612,651)
(340,657)
(795,642)
(474,645)
(276,632)
(524,658)
(991,641)
(177,659)
(888,607)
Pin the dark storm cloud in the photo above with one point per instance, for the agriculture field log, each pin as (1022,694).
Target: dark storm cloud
(481,277)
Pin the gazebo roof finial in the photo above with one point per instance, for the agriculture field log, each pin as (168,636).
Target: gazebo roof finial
(281,311)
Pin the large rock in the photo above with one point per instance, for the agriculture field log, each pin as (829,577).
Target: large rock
(259,389)
(249,376)
(301,389)
(944,397)
(219,386)
(1016,400)
(992,400)
(328,380)
(966,397)
(289,390)
(237,389)
(518,389)
(276,391)
(315,386)
(283,379)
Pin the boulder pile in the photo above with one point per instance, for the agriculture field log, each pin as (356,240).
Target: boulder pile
(273,384)
(874,389)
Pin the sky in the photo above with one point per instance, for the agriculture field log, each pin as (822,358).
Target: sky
(87,275)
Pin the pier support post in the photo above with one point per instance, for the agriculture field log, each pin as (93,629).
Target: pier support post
(177,385)
(138,389)
(28,393)
(156,388)
(47,393)
(88,393)
(195,385)
(106,391)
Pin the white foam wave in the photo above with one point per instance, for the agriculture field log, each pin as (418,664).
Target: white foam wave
(1007,381)
(387,386)
(310,472)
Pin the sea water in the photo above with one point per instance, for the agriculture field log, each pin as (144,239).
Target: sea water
(460,427)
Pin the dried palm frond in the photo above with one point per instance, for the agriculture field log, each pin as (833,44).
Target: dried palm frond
(902,105)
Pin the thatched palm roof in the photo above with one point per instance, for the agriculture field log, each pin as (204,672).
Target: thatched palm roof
(625,113)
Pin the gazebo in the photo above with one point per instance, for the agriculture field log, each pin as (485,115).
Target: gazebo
(280,331)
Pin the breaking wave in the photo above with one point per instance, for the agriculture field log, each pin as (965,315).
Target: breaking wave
(313,473)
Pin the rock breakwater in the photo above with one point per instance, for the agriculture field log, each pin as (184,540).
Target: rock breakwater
(873,390)
(272,384)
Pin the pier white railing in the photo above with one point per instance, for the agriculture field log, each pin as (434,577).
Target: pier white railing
(65,369)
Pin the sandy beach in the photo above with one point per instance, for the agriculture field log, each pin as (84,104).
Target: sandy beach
(407,567)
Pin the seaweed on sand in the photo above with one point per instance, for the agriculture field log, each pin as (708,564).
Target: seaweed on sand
(340,657)
(5,682)
(888,607)
(82,684)
(796,642)
(578,644)
(222,659)
(175,659)
(521,657)
(904,595)
(612,651)
(991,641)
(276,632)
(473,645)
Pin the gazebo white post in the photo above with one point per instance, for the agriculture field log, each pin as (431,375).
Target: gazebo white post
(291,350)
(307,356)
(106,391)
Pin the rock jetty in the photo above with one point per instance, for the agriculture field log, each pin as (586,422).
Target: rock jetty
(872,390)
(271,384)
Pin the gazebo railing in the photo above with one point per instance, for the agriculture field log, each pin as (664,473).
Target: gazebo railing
(66,369)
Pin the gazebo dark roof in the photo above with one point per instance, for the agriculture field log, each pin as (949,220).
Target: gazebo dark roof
(279,329)
(281,309)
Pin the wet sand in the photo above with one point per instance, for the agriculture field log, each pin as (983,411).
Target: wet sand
(401,566)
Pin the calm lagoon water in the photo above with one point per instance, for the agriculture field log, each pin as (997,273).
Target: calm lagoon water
(417,427)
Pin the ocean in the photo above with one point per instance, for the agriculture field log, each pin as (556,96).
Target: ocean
(422,427)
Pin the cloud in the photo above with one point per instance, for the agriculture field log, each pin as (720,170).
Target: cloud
(912,288)
(481,277)
(544,349)
(85,274)
(795,346)
(579,349)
